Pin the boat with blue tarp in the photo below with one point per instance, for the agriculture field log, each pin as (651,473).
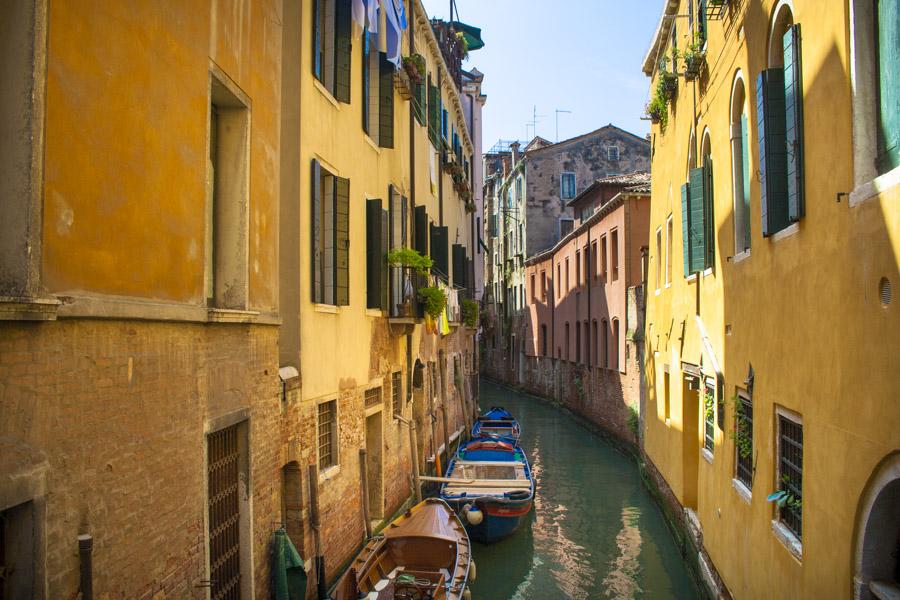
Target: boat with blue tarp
(489,483)
(497,422)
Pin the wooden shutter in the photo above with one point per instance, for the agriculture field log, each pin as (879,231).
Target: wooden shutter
(772,150)
(459,265)
(317,286)
(420,231)
(366,74)
(385,270)
(889,85)
(696,229)
(709,221)
(385,102)
(341,241)
(685,228)
(342,50)
(375,258)
(793,104)
(439,240)
(316,41)
(434,115)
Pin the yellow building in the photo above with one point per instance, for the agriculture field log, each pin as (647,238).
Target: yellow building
(772,334)
(366,167)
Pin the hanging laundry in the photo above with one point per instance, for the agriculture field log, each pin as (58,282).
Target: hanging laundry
(358,14)
(372,15)
(394,31)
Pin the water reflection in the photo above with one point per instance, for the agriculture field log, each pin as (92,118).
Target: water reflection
(594,532)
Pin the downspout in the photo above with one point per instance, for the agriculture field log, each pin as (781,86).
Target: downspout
(412,190)
(440,172)
(85,550)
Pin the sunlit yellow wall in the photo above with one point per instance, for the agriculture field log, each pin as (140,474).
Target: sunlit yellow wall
(126,144)
(803,310)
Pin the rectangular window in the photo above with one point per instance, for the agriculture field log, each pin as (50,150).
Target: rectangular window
(228,194)
(773,160)
(328,434)
(533,289)
(577,341)
(790,473)
(568,346)
(518,188)
(440,252)
(593,360)
(435,110)
(709,416)
(615,345)
(330,237)
(226,505)
(331,46)
(604,258)
(659,259)
(396,393)
(614,250)
(566,225)
(372,397)
(543,339)
(544,286)
(558,281)
(667,399)
(577,268)
(378,93)
(743,439)
(377,236)
(594,264)
(604,344)
(669,225)
(612,153)
(567,186)
(568,283)
(698,222)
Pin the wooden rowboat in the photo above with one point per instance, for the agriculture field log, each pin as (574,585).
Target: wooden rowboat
(424,554)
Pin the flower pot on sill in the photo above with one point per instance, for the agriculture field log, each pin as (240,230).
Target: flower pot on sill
(404,309)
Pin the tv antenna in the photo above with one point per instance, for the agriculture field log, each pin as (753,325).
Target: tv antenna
(535,119)
(558,111)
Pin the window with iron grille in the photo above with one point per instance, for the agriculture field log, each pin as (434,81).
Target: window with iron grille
(328,434)
(396,392)
(743,440)
(709,417)
(790,473)
(223,503)
(373,397)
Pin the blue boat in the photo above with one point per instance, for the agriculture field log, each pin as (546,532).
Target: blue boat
(497,422)
(495,491)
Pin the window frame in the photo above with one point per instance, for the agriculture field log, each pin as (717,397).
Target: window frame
(743,400)
(562,186)
(781,415)
(334,451)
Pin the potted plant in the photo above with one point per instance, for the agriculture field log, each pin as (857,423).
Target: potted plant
(658,110)
(668,84)
(434,299)
(414,65)
(462,44)
(469,312)
(694,58)
(410,260)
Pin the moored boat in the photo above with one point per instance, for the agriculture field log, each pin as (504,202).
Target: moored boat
(424,553)
(497,422)
(491,486)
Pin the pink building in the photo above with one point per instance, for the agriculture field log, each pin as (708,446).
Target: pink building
(583,304)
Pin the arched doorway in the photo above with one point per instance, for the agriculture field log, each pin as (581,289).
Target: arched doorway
(877,548)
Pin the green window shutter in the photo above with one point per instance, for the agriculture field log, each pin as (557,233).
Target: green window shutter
(772,150)
(342,50)
(696,227)
(365,81)
(709,219)
(420,230)
(685,229)
(316,41)
(341,241)
(888,14)
(385,102)
(701,21)
(793,105)
(745,170)
(459,266)
(385,269)
(375,258)
(317,284)
(439,249)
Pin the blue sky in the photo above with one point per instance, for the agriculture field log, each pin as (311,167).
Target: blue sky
(579,55)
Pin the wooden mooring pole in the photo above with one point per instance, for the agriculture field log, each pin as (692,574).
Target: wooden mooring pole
(414,451)
(319,561)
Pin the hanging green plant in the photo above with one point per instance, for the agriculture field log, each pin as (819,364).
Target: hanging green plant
(407,257)
(741,435)
(434,300)
(469,312)
(784,498)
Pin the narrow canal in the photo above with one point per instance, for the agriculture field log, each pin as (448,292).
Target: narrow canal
(595,532)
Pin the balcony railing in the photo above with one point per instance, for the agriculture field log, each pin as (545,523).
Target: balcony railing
(451,47)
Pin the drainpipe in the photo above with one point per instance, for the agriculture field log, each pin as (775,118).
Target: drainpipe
(85,550)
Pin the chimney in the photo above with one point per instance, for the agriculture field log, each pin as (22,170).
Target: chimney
(514,148)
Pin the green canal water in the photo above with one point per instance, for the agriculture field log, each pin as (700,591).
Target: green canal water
(595,532)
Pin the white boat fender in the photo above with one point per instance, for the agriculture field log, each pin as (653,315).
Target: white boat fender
(472,572)
(473,515)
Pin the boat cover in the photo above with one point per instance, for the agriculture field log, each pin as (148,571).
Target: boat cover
(433,519)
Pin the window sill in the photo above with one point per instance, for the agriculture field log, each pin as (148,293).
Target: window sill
(668,285)
(326,93)
(28,309)
(691,278)
(326,308)
(742,490)
(785,233)
(374,312)
(329,473)
(740,257)
(372,143)
(708,272)
(228,315)
(707,455)
(657,292)
(874,188)
(668,422)
(788,539)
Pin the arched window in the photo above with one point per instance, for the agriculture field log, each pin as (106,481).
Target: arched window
(709,217)
(594,358)
(740,166)
(604,344)
(780,125)
(615,344)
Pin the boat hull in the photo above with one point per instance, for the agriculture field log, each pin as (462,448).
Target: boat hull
(500,519)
